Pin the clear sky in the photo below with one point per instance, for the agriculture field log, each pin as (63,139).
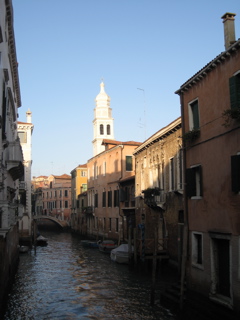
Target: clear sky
(65,48)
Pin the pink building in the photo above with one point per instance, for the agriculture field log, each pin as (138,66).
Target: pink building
(210,104)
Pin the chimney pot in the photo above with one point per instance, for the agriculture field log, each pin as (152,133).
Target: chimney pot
(229,29)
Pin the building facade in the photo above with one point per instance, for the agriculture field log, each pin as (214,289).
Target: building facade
(105,219)
(25,130)
(11,156)
(78,186)
(159,193)
(56,198)
(210,107)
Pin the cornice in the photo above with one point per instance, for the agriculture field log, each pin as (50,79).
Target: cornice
(220,59)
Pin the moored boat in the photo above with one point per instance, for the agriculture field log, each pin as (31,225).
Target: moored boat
(41,241)
(23,249)
(121,254)
(107,246)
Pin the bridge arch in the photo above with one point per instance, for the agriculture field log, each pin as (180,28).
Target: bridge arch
(62,223)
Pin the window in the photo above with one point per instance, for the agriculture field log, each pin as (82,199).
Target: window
(234,87)
(194,182)
(116,198)
(83,173)
(110,224)
(128,163)
(65,193)
(117,227)
(180,170)
(193,115)
(101,129)
(197,254)
(66,204)
(96,200)
(171,174)
(108,129)
(22,137)
(235,173)
(104,168)
(83,187)
(104,199)
(110,198)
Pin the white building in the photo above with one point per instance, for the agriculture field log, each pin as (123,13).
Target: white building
(103,121)
(11,156)
(25,130)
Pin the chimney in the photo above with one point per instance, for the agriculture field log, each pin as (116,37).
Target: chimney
(29,116)
(229,29)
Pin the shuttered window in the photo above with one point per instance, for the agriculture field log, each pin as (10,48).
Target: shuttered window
(96,200)
(109,198)
(234,87)
(194,182)
(104,199)
(195,115)
(235,173)
(128,163)
(116,198)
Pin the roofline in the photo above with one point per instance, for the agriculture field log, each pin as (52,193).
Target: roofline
(209,67)
(12,50)
(160,135)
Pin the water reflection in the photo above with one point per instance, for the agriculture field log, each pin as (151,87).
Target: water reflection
(67,281)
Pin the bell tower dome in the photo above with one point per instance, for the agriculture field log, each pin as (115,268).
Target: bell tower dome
(103,121)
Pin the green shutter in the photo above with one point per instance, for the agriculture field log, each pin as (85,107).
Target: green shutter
(234,87)
(190,182)
(195,114)
(235,173)
(128,163)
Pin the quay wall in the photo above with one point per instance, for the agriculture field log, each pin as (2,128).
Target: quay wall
(9,259)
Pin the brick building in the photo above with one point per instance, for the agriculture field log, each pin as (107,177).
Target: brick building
(159,193)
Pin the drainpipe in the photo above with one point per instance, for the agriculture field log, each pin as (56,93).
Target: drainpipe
(185,205)
(120,215)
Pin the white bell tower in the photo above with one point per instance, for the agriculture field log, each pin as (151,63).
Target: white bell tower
(103,121)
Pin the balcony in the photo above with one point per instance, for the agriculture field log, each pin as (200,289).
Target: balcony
(14,159)
(154,197)
(89,210)
(22,185)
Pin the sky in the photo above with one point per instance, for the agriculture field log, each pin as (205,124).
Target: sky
(144,50)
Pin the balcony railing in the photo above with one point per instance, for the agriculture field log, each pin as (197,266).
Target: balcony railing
(89,209)
(154,197)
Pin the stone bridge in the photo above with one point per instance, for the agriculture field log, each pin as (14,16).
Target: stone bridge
(61,223)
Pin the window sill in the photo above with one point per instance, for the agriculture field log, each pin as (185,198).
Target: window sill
(196,198)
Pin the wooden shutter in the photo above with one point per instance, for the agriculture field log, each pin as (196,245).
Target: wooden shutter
(201,180)
(122,195)
(195,114)
(190,182)
(234,87)
(235,173)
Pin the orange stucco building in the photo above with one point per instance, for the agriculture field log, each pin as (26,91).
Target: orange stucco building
(106,170)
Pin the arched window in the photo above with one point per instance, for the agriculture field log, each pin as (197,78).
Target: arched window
(101,129)
(108,129)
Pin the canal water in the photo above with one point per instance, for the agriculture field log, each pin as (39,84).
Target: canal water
(65,280)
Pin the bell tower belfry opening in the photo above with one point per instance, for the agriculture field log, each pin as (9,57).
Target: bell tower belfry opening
(103,121)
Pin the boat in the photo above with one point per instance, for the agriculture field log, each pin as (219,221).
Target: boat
(41,241)
(121,254)
(23,249)
(89,243)
(107,246)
